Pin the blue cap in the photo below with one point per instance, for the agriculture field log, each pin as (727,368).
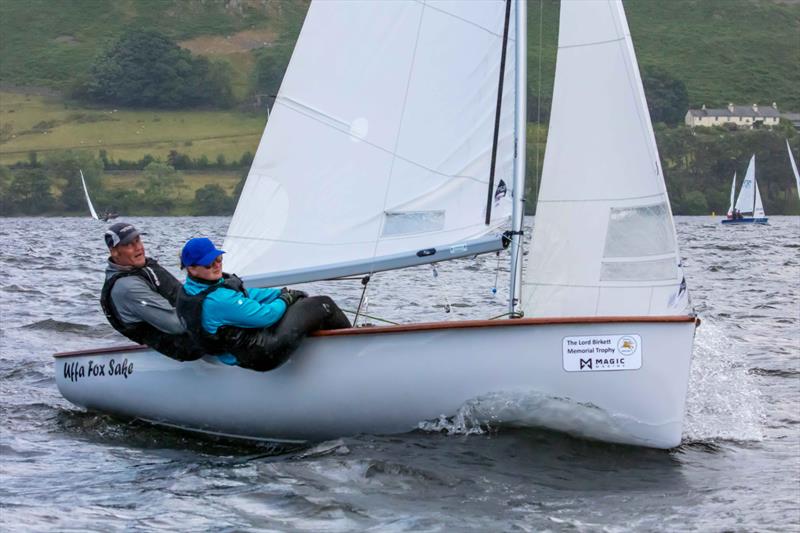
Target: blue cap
(199,251)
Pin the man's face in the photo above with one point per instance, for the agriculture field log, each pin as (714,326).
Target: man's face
(211,272)
(131,254)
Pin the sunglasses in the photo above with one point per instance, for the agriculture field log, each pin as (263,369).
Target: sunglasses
(217,261)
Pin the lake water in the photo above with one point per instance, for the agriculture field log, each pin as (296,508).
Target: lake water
(738,468)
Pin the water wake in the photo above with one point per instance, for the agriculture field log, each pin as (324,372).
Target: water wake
(723,401)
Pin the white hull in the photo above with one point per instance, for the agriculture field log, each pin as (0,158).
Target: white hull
(388,380)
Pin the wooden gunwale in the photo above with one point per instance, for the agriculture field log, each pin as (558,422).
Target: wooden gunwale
(432,326)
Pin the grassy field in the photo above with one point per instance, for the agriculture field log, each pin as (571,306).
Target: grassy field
(45,124)
(192,180)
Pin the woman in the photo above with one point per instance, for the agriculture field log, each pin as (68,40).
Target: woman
(257,328)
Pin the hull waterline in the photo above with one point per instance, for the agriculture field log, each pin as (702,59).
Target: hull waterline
(389,380)
(747,220)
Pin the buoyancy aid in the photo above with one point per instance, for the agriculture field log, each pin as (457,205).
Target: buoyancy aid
(180,347)
(190,311)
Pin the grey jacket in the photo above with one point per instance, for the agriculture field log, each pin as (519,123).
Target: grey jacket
(136,302)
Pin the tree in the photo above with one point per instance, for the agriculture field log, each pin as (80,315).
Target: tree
(271,64)
(212,200)
(6,207)
(145,68)
(667,97)
(29,192)
(161,183)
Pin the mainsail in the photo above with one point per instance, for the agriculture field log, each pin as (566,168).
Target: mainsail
(749,200)
(794,166)
(606,245)
(88,200)
(733,195)
(379,144)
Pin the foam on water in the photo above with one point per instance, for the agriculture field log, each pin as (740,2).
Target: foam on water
(723,401)
(533,409)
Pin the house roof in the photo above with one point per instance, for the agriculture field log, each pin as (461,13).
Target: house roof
(738,111)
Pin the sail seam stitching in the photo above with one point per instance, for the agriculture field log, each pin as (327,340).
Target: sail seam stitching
(462,19)
(593,43)
(656,196)
(378,147)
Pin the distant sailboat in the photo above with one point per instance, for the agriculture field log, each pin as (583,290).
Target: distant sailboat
(794,167)
(92,212)
(748,208)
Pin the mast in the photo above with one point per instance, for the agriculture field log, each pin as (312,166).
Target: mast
(520,128)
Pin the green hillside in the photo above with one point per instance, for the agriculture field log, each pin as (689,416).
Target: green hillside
(742,51)
(52,44)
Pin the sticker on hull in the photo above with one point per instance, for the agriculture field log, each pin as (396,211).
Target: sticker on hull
(597,353)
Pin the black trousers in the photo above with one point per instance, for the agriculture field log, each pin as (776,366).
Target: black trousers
(268,348)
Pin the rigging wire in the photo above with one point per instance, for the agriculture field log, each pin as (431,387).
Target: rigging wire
(442,287)
(364,282)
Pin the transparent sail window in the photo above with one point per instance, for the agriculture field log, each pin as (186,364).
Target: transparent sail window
(659,270)
(639,231)
(410,222)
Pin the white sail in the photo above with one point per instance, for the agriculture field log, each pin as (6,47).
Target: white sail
(88,200)
(733,195)
(746,202)
(604,241)
(758,212)
(380,139)
(794,167)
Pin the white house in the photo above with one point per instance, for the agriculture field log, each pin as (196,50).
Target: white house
(743,116)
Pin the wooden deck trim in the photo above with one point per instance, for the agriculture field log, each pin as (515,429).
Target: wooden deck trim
(431,326)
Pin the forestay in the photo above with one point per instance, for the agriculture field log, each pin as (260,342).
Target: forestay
(749,200)
(379,142)
(604,240)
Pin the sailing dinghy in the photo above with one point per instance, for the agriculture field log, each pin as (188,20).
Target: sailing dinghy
(397,139)
(748,208)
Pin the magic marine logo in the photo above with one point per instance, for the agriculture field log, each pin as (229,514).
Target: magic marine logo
(595,353)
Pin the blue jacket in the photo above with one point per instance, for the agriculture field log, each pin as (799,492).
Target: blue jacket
(225,307)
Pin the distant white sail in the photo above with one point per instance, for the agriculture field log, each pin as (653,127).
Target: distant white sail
(794,167)
(606,245)
(380,140)
(749,199)
(733,195)
(88,200)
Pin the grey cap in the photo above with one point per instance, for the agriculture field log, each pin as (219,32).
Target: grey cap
(120,233)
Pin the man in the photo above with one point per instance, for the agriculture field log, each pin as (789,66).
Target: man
(138,297)
(253,328)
